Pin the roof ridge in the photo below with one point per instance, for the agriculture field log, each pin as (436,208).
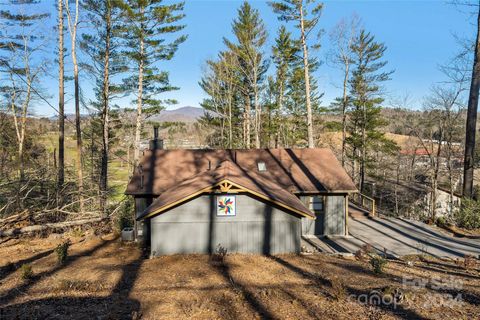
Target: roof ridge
(306,170)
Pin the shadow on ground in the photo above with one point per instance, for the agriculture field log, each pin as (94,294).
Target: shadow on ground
(117,305)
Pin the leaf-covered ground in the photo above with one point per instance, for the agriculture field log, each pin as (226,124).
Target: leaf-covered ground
(104,279)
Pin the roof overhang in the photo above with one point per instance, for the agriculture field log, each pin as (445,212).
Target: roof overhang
(226,186)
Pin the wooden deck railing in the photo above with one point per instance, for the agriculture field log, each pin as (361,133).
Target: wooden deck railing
(364,202)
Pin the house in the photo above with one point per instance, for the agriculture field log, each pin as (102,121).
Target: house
(412,199)
(447,203)
(250,201)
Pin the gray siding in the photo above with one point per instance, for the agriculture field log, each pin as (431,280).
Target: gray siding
(142,227)
(193,227)
(334,221)
(331,221)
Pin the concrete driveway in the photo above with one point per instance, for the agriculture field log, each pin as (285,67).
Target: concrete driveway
(401,237)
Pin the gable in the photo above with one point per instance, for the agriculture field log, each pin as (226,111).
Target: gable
(197,186)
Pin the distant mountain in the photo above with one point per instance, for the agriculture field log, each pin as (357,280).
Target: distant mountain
(183,114)
(69,116)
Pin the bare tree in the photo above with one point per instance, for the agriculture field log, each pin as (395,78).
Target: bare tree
(61,99)
(72,27)
(220,82)
(21,42)
(437,134)
(342,38)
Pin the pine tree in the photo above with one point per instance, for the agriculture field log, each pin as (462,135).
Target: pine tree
(306,14)
(102,45)
(366,98)
(147,26)
(295,103)
(285,58)
(251,35)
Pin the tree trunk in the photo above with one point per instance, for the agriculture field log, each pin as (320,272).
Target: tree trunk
(73,35)
(364,150)
(222,131)
(230,128)
(247,121)
(257,110)
(257,121)
(105,138)
(61,102)
(311,143)
(281,91)
(21,167)
(344,111)
(23,127)
(436,161)
(138,125)
(49,226)
(472,119)
(434,200)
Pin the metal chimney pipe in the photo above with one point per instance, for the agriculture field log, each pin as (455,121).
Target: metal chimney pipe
(156,143)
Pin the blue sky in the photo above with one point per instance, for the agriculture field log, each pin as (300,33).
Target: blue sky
(418,34)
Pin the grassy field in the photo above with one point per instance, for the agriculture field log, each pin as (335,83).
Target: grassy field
(118,170)
(105,279)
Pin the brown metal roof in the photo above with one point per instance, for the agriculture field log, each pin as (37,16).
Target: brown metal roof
(292,170)
(226,171)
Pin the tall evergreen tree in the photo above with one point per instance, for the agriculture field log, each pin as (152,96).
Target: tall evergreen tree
(147,27)
(251,35)
(296,100)
(285,58)
(366,98)
(102,45)
(306,14)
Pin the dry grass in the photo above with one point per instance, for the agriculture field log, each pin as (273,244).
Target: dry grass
(103,279)
(333,140)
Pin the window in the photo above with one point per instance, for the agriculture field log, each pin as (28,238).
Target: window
(316,204)
(262,167)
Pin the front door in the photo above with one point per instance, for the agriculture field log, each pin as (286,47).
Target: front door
(316,205)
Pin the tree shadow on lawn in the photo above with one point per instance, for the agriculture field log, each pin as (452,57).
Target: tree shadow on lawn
(117,305)
(432,283)
(8,269)
(447,272)
(224,270)
(437,234)
(321,281)
(428,243)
